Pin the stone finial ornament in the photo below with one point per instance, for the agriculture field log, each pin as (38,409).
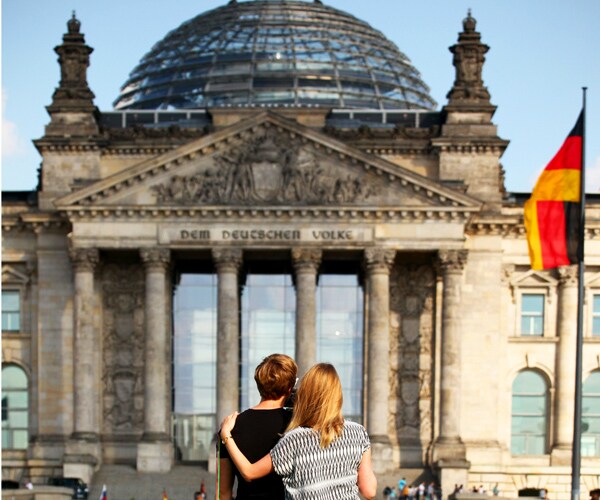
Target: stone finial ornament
(468,88)
(73,94)
(469,23)
(73,25)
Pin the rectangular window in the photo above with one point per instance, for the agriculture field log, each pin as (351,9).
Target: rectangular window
(194,365)
(11,311)
(596,316)
(532,315)
(340,336)
(268,325)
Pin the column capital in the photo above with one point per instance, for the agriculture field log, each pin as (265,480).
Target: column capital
(452,261)
(306,259)
(568,275)
(155,257)
(379,260)
(227,259)
(84,259)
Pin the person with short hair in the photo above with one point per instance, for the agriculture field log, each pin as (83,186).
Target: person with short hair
(321,455)
(595,494)
(259,428)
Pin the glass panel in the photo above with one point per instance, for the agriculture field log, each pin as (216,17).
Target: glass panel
(193,434)
(10,300)
(13,377)
(15,410)
(11,310)
(529,414)
(268,326)
(528,405)
(340,335)
(596,316)
(532,303)
(532,314)
(17,399)
(194,365)
(529,382)
(590,429)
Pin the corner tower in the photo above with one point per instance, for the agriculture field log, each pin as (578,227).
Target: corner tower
(468,128)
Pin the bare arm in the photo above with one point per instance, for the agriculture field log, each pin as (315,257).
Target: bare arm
(367,482)
(226,479)
(248,471)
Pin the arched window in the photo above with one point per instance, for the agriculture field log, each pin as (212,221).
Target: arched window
(529,424)
(590,416)
(15,408)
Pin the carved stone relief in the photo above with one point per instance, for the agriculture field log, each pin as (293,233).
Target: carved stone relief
(123,331)
(267,167)
(412,302)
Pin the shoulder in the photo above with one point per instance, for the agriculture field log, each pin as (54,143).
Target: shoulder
(356,432)
(354,427)
(296,435)
(298,432)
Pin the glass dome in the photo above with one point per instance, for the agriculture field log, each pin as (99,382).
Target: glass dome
(274,52)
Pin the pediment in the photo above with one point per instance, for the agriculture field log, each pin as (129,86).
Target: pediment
(267,161)
(14,276)
(593,281)
(534,279)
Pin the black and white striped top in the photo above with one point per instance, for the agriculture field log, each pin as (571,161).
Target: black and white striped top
(310,472)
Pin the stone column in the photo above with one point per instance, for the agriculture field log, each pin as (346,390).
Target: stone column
(565,366)
(83,452)
(306,263)
(449,452)
(378,263)
(228,262)
(155,452)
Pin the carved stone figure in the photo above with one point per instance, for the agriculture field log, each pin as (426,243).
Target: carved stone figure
(412,295)
(266,167)
(123,331)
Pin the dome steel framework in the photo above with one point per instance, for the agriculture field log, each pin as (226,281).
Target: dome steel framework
(278,52)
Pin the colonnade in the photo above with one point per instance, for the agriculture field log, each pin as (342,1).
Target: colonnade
(153,449)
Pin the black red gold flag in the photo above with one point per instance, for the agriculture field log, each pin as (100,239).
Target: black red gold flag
(552,214)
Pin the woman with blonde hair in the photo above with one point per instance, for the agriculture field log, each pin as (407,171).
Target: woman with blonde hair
(321,455)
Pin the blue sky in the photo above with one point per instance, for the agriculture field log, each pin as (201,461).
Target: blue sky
(541,53)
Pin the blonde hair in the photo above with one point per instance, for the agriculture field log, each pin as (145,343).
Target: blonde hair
(275,376)
(318,403)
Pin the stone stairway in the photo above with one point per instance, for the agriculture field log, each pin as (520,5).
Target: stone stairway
(125,483)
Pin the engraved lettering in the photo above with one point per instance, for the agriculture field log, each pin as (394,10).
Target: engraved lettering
(333,235)
(195,234)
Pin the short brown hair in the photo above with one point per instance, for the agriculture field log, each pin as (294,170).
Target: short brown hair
(275,376)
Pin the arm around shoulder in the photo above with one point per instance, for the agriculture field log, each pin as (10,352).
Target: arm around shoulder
(367,482)
(248,471)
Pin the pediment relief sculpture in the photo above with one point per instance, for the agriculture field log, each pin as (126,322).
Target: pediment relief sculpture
(267,168)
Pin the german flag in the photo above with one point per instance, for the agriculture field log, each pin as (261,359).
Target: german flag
(552,214)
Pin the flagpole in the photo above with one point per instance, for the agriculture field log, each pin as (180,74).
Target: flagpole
(576,457)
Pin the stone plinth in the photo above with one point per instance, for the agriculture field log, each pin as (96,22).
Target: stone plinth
(154,457)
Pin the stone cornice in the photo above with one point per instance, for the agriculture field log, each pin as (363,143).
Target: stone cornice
(286,213)
(496,226)
(512,226)
(139,150)
(66,146)
(470,145)
(34,222)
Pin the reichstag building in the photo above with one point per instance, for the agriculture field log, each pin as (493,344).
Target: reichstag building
(275,177)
